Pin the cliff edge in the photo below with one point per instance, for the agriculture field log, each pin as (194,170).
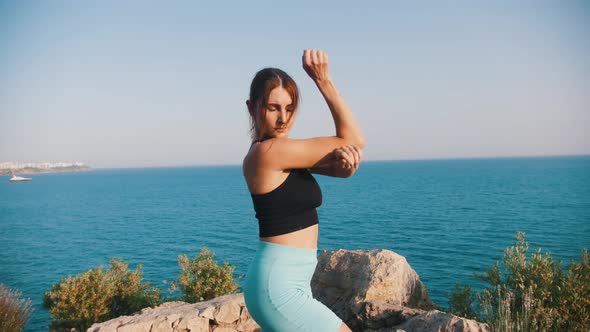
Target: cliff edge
(371,290)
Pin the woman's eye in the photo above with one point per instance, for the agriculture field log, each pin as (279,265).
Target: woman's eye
(272,108)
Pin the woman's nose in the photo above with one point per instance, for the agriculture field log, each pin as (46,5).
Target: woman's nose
(283,116)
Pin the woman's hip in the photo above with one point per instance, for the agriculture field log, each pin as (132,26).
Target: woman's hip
(277,289)
(277,267)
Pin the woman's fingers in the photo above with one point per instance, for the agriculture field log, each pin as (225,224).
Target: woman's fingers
(315,63)
(358,154)
(351,154)
(306,58)
(352,151)
(322,57)
(343,158)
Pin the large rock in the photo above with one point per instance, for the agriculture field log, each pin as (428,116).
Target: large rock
(370,290)
(355,284)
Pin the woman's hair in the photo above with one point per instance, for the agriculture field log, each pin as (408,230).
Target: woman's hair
(263,83)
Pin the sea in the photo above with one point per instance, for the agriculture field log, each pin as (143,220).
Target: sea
(448,218)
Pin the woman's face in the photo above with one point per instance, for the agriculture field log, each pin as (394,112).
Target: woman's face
(280,114)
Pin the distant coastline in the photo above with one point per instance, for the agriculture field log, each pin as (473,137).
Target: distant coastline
(31,168)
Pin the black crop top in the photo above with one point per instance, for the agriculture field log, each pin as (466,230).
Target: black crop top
(289,207)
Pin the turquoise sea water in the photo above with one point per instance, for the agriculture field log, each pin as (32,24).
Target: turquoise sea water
(449,218)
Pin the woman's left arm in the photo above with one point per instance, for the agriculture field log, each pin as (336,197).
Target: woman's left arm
(341,163)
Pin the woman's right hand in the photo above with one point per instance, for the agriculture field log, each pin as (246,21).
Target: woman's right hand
(315,63)
(348,156)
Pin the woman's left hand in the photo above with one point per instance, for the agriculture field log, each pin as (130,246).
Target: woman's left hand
(315,63)
(349,156)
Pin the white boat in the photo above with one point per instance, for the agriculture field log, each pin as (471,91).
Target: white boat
(15,178)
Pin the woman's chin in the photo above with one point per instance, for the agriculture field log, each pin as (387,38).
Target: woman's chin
(281,133)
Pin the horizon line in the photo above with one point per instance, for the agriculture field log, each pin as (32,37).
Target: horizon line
(370,160)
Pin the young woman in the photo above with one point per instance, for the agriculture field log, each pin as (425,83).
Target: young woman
(277,170)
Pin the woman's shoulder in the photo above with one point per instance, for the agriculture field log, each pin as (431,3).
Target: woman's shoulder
(254,158)
(276,146)
(261,148)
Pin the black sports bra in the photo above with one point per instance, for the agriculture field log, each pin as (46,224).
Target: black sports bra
(289,207)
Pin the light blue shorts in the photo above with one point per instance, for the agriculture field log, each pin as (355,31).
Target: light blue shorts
(277,291)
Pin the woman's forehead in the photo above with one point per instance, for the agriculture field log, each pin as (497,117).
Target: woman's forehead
(279,96)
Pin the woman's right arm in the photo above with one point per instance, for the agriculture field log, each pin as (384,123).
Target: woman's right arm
(316,65)
(285,153)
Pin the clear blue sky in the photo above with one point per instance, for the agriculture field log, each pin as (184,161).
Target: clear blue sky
(135,83)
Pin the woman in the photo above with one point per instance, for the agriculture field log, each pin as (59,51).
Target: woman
(285,195)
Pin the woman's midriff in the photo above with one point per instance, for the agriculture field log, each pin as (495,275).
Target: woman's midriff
(303,238)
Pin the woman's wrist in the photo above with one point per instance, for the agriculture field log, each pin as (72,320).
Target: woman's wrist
(327,88)
(324,83)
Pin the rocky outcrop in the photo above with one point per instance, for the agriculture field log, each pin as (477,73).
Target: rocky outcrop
(361,286)
(221,314)
(371,290)
(435,321)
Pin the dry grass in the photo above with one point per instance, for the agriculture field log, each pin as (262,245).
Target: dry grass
(14,311)
(529,293)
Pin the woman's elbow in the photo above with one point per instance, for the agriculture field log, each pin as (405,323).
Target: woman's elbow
(360,143)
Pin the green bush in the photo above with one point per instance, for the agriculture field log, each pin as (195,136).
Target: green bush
(130,294)
(97,295)
(202,278)
(462,302)
(529,293)
(14,311)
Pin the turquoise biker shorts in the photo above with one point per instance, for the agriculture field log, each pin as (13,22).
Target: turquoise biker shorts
(277,291)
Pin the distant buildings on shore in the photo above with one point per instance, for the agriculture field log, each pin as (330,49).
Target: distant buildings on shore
(33,168)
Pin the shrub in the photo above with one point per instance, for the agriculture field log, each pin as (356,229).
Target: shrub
(130,294)
(202,278)
(14,311)
(530,293)
(97,295)
(462,302)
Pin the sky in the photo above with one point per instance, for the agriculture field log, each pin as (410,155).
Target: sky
(149,84)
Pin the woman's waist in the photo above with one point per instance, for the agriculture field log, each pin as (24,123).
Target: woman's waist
(306,238)
(288,249)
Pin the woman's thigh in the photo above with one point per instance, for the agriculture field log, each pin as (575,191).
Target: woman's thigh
(278,295)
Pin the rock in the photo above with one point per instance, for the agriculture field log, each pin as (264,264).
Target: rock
(174,318)
(378,314)
(246,323)
(182,325)
(208,313)
(132,326)
(347,280)
(196,324)
(109,328)
(162,325)
(223,329)
(437,321)
(228,311)
(370,290)
(222,314)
